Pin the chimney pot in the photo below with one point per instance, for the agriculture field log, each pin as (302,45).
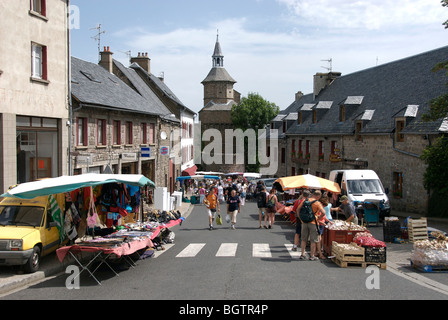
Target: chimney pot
(143,61)
(106,59)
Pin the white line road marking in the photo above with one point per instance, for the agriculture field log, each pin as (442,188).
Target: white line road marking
(191,250)
(227,250)
(158,253)
(261,250)
(294,254)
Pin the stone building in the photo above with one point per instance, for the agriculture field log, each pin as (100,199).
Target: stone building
(117,119)
(34,86)
(371,119)
(219,97)
(142,66)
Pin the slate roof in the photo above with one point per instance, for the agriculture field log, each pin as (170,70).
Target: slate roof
(143,89)
(161,85)
(94,85)
(377,95)
(212,106)
(218,74)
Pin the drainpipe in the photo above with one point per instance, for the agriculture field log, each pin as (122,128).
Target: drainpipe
(69,94)
(402,151)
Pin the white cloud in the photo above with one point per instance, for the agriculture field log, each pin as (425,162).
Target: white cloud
(370,15)
(278,64)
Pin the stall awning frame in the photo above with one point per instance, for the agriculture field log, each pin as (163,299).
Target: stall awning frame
(45,187)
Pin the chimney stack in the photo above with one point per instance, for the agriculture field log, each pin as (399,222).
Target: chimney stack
(299,95)
(106,59)
(322,80)
(143,61)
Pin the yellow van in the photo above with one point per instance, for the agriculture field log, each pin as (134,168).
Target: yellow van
(27,231)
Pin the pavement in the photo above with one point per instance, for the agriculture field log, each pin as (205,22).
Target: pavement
(13,278)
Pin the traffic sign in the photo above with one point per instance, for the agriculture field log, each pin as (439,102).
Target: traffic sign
(145,152)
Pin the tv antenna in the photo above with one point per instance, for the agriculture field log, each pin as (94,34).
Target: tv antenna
(97,37)
(330,64)
(127,53)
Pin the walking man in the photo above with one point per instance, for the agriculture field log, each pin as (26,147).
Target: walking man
(212,204)
(233,207)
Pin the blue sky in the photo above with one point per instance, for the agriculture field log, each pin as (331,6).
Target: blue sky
(272,47)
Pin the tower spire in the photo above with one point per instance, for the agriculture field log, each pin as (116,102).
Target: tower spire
(218,57)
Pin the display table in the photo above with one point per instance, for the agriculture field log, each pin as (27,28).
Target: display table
(102,252)
(121,244)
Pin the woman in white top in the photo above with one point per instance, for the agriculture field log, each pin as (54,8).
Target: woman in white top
(220,192)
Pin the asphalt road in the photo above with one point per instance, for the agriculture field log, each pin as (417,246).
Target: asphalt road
(234,265)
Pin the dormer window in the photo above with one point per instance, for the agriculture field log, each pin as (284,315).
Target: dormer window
(314,116)
(299,118)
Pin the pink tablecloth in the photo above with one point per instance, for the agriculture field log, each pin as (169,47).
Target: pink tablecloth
(170,224)
(124,249)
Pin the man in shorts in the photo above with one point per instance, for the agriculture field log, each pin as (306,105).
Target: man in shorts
(309,229)
(212,204)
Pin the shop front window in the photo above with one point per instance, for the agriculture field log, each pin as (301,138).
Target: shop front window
(37,150)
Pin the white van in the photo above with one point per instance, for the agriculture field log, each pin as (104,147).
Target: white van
(362,186)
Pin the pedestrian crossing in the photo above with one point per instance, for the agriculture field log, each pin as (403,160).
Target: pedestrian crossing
(228,250)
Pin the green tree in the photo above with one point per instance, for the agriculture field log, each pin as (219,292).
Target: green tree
(255,113)
(436,155)
(438,107)
(436,176)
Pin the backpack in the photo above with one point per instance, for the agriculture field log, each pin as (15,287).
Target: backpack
(306,213)
(271,203)
(261,200)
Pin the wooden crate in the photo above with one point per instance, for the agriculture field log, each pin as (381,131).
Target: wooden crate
(417,229)
(346,264)
(348,253)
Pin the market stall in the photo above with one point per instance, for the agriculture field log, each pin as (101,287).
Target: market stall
(124,243)
(307,181)
(102,213)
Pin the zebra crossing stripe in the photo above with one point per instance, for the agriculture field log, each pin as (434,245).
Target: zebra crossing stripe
(227,250)
(191,250)
(293,254)
(261,250)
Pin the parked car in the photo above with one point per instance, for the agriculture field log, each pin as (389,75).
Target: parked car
(268,183)
(27,231)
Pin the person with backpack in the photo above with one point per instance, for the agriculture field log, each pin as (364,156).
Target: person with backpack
(309,211)
(271,207)
(261,196)
(305,194)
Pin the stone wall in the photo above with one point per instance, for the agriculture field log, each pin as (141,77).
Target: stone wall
(372,152)
(156,168)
